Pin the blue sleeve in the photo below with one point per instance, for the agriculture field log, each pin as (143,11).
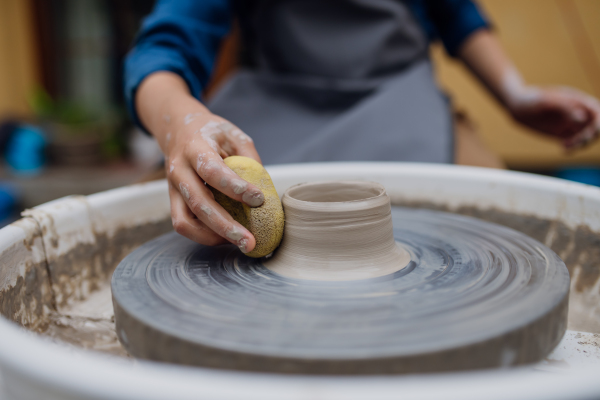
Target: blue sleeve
(451,21)
(181,36)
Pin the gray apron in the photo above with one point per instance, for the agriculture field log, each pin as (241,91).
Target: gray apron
(337,80)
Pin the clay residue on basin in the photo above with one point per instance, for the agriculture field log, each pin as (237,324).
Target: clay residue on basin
(88,266)
(84,316)
(67,298)
(88,324)
(25,292)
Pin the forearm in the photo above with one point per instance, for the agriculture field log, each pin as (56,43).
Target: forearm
(162,101)
(485,58)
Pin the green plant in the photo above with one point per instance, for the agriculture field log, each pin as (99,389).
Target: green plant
(59,111)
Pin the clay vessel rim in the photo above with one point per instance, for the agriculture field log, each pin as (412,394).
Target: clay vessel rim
(363,185)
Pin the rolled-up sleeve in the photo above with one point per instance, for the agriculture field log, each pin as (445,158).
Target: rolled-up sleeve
(451,21)
(180,36)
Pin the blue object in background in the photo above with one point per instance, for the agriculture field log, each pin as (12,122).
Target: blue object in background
(9,204)
(25,150)
(588,175)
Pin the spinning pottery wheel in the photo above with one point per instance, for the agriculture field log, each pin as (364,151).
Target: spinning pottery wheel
(440,292)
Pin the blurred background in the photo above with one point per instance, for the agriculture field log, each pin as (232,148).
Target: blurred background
(64,129)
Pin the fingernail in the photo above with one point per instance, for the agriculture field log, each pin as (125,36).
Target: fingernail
(243,245)
(253,199)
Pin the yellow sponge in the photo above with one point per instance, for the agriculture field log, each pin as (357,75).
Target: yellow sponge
(264,222)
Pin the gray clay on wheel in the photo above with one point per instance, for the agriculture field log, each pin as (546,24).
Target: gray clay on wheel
(474,295)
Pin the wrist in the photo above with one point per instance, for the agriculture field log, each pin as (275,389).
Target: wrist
(179,107)
(163,101)
(515,94)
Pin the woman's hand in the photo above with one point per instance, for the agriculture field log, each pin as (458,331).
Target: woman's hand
(563,113)
(194,142)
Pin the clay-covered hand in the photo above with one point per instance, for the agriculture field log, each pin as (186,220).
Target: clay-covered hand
(566,114)
(194,142)
(194,150)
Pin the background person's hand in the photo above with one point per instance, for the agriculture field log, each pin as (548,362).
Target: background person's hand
(566,114)
(194,142)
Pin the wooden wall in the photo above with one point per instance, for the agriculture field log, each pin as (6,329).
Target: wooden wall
(18,64)
(552,42)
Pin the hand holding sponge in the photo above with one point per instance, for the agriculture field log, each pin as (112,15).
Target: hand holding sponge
(264,222)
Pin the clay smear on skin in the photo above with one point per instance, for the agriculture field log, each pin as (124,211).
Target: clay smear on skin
(200,162)
(253,198)
(239,186)
(206,210)
(211,129)
(190,117)
(237,236)
(208,168)
(337,231)
(209,133)
(185,190)
(240,136)
(233,132)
